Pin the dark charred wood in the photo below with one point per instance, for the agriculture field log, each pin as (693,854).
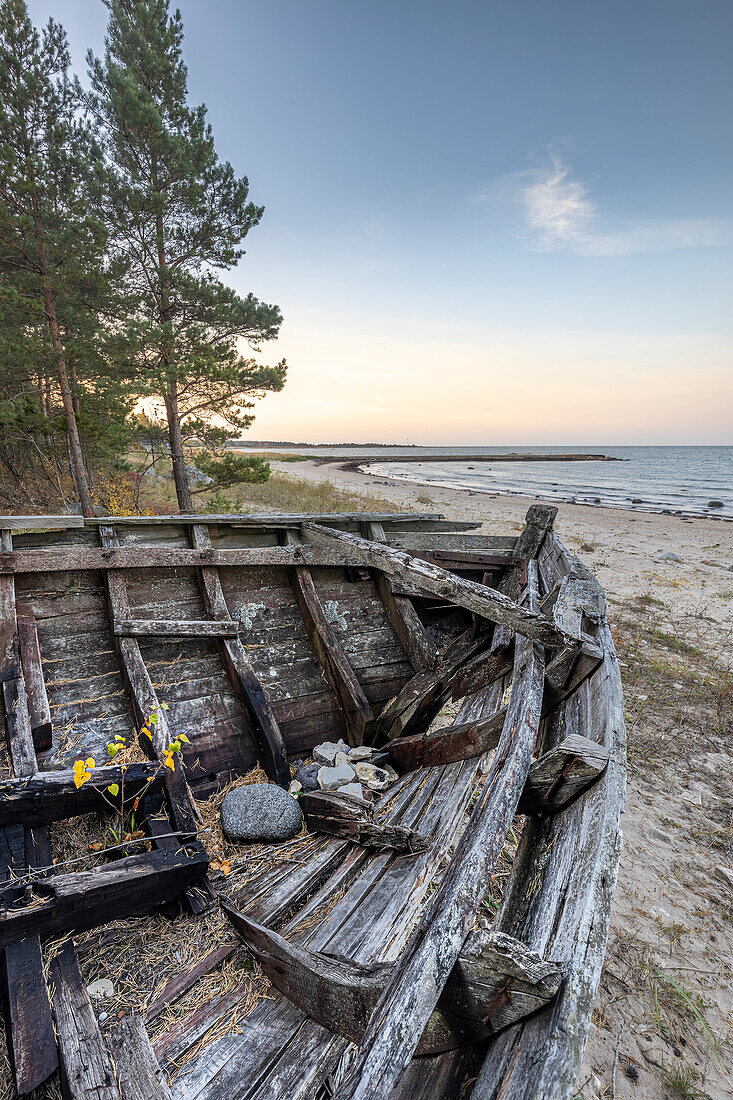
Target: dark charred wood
(58,904)
(53,796)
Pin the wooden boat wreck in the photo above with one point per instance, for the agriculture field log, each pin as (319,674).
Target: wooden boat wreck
(257,638)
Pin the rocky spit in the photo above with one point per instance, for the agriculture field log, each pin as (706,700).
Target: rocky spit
(264,812)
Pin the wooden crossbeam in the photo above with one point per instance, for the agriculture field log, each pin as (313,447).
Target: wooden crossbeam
(332,657)
(494,982)
(51,796)
(79,558)
(404,1008)
(449,743)
(174,628)
(271,745)
(58,904)
(29,1024)
(486,602)
(406,623)
(145,703)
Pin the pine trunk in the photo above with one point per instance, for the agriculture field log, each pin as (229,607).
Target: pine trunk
(183,492)
(76,455)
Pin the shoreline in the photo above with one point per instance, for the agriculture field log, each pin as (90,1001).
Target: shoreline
(683,563)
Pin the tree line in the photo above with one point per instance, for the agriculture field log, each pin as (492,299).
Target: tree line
(117,218)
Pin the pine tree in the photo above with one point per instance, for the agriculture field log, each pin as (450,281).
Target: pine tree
(176,214)
(49,243)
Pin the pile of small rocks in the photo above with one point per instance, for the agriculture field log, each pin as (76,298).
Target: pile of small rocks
(337,767)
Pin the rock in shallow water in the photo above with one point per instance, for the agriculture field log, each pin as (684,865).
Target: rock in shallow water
(260,812)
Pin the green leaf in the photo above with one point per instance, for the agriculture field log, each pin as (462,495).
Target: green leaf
(114,789)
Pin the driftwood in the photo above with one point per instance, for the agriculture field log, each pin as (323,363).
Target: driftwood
(561,774)
(486,602)
(53,796)
(58,904)
(405,620)
(330,652)
(404,1009)
(340,815)
(494,982)
(273,753)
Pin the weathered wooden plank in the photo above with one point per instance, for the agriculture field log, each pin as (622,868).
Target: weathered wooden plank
(41,523)
(29,1024)
(35,685)
(270,742)
(62,903)
(138,1073)
(340,815)
(261,519)
(486,602)
(80,558)
(415,986)
(330,652)
(459,741)
(405,620)
(52,796)
(558,898)
(174,628)
(495,981)
(85,1065)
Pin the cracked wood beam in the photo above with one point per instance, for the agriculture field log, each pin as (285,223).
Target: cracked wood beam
(405,620)
(175,628)
(146,703)
(35,684)
(331,654)
(353,819)
(244,680)
(559,775)
(495,982)
(53,795)
(489,603)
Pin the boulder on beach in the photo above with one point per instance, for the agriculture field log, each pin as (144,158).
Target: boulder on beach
(715,504)
(260,812)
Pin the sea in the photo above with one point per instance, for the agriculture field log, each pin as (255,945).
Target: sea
(652,479)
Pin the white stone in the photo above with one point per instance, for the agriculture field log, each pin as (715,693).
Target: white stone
(393,775)
(341,758)
(295,787)
(330,779)
(377,779)
(326,753)
(360,752)
(101,988)
(354,789)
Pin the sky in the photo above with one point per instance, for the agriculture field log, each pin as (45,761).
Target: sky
(485,223)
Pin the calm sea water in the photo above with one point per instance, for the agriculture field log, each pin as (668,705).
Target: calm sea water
(682,479)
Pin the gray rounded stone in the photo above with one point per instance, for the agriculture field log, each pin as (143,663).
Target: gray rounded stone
(260,812)
(307,776)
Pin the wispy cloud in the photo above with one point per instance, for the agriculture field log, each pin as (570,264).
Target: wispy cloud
(558,213)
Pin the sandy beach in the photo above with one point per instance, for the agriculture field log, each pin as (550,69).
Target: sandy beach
(663,1020)
(626,549)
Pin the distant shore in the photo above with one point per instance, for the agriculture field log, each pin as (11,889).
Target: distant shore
(451,456)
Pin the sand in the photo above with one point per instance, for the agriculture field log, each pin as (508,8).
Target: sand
(663,1022)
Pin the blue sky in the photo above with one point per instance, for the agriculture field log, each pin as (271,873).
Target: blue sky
(485,223)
